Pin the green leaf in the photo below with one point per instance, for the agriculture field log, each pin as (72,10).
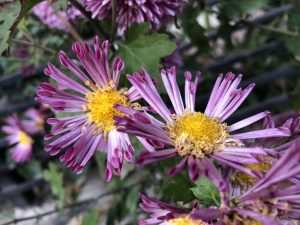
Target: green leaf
(55,178)
(31,170)
(193,29)
(9,13)
(179,189)
(206,192)
(235,9)
(91,218)
(136,30)
(145,51)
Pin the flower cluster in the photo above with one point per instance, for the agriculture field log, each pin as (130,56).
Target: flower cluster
(128,12)
(19,133)
(262,165)
(55,19)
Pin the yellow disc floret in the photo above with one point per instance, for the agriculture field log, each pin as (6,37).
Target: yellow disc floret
(101,109)
(197,134)
(24,139)
(244,180)
(186,220)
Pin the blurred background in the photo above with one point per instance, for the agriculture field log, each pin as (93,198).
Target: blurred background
(259,39)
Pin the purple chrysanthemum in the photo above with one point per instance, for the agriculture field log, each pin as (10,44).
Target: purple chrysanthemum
(135,11)
(166,214)
(241,181)
(273,198)
(196,137)
(18,138)
(45,12)
(93,94)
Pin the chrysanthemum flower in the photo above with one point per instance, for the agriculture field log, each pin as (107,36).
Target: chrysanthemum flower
(45,12)
(241,181)
(165,214)
(135,11)
(90,97)
(34,122)
(273,198)
(18,138)
(197,137)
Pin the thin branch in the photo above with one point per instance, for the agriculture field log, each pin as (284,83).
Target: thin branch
(94,23)
(70,28)
(34,45)
(76,204)
(272,29)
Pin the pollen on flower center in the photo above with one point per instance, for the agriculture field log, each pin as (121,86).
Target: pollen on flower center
(197,134)
(185,221)
(24,138)
(101,109)
(245,180)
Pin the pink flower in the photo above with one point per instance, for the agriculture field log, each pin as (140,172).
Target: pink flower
(45,12)
(90,102)
(20,141)
(198,138)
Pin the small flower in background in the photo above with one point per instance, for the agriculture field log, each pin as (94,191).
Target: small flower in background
(34,122)
(196,136)
(20,141)
(135,11)
(91,125)
(45,12)
(274,196)
(25,69)
(166,214)
(174,59)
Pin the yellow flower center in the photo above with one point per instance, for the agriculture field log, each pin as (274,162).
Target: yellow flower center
(244,180)
(197,134)
(101,109)
(24,139)
(186,220)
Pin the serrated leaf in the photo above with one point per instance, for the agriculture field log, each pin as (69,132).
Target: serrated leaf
(136,30)
(179,189)
(91,218)
(55,178)
(206,192)
(9,13)
(146,51)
